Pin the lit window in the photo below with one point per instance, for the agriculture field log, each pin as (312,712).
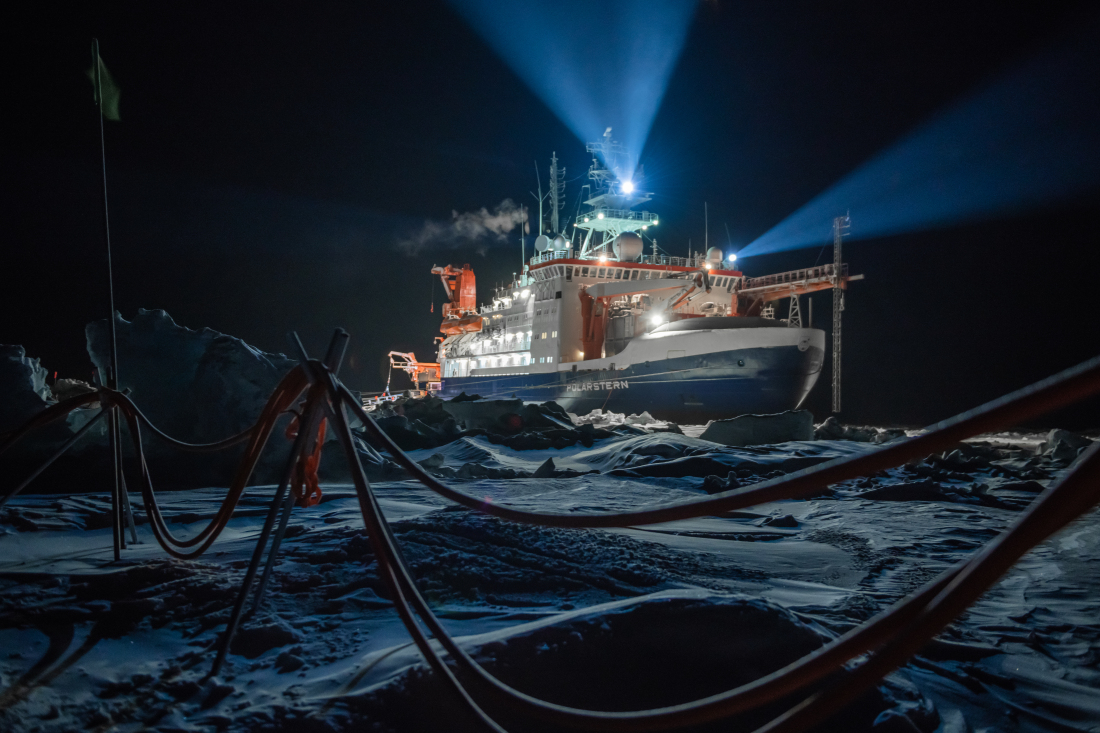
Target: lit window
(541,360)
(554,334)
(543,334)
(550,360)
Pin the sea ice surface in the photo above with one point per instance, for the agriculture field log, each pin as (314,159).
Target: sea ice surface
(611,619)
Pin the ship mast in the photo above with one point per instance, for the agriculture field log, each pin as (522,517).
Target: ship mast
(557,188)
(841,224)
(614,194)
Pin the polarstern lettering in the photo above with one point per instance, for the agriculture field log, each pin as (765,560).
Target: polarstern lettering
(594,386)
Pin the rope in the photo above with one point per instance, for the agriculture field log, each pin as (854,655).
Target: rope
(1061,390)
(892,636)
(1048,514)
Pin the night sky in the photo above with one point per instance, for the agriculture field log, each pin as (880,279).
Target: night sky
(269,162)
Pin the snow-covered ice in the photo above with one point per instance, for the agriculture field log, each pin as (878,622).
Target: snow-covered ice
(616,619)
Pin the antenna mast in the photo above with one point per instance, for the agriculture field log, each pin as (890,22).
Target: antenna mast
(841,224)
(557,189)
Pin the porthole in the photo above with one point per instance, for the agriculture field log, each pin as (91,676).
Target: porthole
(740,362)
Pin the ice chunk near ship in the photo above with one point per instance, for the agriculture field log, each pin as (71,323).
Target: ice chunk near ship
(202,386)
(761,429)
(23,389)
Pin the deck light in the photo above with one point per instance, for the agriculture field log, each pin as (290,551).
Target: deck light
(525,292)
(599,215)
(654,222)
(655,320)
(586,219)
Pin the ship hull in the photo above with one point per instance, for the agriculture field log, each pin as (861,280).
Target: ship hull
(688,389)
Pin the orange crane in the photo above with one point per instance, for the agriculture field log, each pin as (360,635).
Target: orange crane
(419,371)
(460,312)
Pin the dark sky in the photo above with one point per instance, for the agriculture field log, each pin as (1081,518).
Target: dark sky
(268,161)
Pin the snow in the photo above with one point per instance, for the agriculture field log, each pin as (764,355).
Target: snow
(617,619)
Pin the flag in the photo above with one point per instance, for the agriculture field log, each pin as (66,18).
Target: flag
(107,88)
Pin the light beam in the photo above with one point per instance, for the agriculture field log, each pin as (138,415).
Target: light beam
(594,65)
(1030,139)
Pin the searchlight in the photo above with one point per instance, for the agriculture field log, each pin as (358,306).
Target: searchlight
(732,258)
(628,186)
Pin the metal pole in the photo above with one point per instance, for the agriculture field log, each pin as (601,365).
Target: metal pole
(112,363)
(334,357)
(840,223)
(117,539)
(112,366)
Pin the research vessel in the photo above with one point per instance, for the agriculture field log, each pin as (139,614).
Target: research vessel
(594,321)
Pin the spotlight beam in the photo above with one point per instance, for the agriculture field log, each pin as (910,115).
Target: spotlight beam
(1030,139)
(593,64)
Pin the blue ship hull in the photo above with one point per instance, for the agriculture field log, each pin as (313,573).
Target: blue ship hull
(689,389)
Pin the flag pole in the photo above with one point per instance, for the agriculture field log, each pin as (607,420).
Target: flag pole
(112,365)
(113,431)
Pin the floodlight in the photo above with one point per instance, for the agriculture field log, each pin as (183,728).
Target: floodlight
(525,292)
(599,215)
(655,320)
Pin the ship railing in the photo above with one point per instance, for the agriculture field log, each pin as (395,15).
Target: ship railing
(559,254)
(659,260)
(628,214)
(370,402)
(822,272)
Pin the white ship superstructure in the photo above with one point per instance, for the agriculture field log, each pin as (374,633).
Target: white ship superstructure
(595,321)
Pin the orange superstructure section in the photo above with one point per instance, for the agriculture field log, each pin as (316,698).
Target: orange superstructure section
(593,325)
(460,313)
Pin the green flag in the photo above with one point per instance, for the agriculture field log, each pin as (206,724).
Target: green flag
(108,89)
